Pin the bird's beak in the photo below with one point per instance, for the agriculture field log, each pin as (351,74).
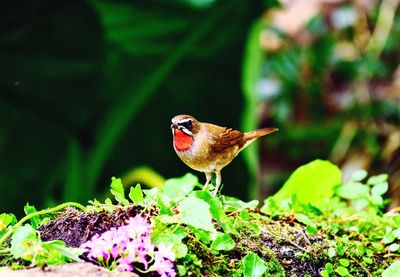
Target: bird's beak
(174,126)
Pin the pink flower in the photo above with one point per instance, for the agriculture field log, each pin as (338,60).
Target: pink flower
(131,244)
(124,266)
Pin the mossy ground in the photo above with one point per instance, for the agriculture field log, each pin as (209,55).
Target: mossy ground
(283,243)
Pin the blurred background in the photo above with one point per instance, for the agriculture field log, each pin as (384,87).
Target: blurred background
(88,89)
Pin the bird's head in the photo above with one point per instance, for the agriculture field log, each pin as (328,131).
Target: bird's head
(186,124)
(184,129)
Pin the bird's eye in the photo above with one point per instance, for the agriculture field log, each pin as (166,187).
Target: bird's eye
(188,125)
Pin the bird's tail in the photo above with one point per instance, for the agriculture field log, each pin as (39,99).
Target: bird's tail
(259,133)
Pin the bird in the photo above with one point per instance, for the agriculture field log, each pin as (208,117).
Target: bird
(207,147)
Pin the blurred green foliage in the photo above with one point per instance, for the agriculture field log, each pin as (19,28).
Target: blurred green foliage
(88,88)
(327,74)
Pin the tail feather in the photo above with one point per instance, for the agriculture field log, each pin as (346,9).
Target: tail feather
(259,133)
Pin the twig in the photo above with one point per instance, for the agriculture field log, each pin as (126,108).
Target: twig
(305,237)
(360,264)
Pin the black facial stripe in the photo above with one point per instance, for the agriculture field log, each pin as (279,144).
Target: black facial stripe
(188,125)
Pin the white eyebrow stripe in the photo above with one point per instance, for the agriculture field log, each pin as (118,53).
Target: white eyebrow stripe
(184,120)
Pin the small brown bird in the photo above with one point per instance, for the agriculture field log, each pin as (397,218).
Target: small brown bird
(207,147)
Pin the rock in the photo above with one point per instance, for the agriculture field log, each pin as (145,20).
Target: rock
(65,270)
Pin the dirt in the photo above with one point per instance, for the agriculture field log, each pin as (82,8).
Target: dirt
(297,251)
(75,227)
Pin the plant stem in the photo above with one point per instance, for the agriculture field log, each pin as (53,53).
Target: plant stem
(42,212)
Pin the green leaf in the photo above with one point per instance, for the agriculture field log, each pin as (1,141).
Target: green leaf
(396,220)
(309,208)
(311,183)
(23,241)
(196,212)
(331,252)
(217,211)
(58,247)
(393,247)
(344,262)
(359,175)
(352,190)
(223,242)
(396,233)
(117,189)
(312,229)
(232,204)
(253,265)
(164,205)
(136,195)
(35,221)
(303,218)
(389,237)
(342,271)
(377,246)
(202,235)
(5,220)
(393,270)
(178,188)
(368,260)
(381,178)
(324,273)
(380,188)
(180,249)
(329,267)
(244,215)
(377,199)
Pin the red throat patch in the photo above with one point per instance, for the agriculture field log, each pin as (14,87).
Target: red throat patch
(182,142)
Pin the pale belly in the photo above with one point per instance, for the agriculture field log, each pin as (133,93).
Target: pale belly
(204,160)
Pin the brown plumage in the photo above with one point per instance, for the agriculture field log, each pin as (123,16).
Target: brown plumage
(207,147)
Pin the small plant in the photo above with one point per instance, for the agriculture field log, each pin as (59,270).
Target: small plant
(26,244)
(315,224)
(365,195)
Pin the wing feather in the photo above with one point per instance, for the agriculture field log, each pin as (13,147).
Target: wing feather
(227,138)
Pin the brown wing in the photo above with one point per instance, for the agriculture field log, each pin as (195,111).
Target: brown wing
(227,138)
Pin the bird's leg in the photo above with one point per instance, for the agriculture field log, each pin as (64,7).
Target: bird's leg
(208,178)
(217,181)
